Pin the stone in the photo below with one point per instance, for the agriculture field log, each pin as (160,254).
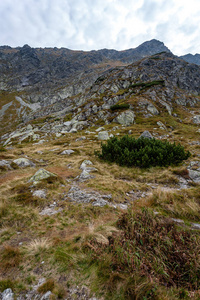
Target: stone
(85,175)
(194,175)
(46,296)
(85,163)
(5,164)
(196,119)
(84,196)
(49,211)
(68,152)
(161,125)
(41,174)
(126,118)
(40,194)
(7,295)
(24,162)
(99,129)
(146,134)
(82,138)
(152,109)
(103,135)
(195,225)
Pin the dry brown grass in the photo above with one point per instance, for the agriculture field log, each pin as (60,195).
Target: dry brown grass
(11,257)
(177,204)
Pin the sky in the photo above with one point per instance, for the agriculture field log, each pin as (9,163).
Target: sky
(98,24)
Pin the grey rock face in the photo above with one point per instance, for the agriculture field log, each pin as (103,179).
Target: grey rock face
(103,135)
(146,134)
(125,118)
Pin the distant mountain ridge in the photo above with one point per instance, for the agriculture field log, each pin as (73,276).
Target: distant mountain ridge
(37,82)
(192,59)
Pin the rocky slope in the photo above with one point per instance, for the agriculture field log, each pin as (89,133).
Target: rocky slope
(46,80)
(62,208)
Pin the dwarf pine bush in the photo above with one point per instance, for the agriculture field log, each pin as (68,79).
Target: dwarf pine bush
(142,152)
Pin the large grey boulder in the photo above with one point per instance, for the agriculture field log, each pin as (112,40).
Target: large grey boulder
(146,134)
(24,162)
(103,135)
(126,118)
(41,174)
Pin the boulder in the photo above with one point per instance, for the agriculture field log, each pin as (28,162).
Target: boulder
(85,163)
(40,194)
(152,109)
(194,175)
(196,119)
(7,295)
(146,134)
(5,164)
(41,174)
(103,135)
(161,125)
(126,118)
(68,152)
(24,162)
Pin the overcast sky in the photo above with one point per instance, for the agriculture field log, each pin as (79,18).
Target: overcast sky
(98,24)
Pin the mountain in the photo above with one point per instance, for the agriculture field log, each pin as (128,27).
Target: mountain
(192,59)
(86,212)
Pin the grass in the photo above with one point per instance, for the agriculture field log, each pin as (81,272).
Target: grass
(148,254)
(76,243)
(11,257)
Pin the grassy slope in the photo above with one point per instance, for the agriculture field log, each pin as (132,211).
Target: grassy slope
(83,244)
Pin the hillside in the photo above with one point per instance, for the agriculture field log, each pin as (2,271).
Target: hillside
(73,225)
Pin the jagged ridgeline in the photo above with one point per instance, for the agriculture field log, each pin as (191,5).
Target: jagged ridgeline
(87,86)
(142,152)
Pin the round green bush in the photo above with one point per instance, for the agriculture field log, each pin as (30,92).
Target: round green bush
(142,152)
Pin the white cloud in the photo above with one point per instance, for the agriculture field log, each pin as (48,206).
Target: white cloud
(96,24)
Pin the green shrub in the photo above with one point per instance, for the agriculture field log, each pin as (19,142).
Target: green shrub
(142,152)
(119,106)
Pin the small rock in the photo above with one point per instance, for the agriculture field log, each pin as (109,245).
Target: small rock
(146,134)
(49,211)
(85,163)
(194,175)
(40,194)
(46,296)
(99,129)
(103,136)
(5,164)
(82,138)
(195,225)
(68,152)
(161,125)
